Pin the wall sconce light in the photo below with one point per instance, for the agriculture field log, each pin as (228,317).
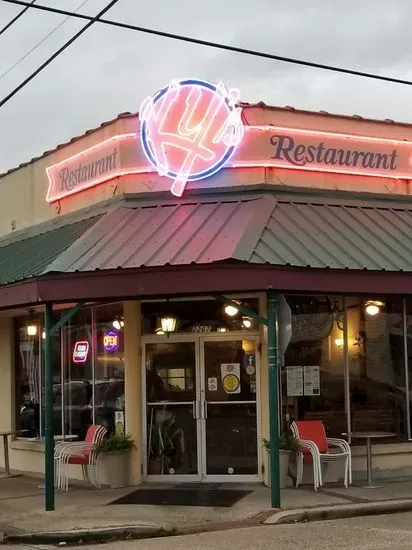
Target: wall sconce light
(168,323)
(231,310)
(118,323)
(373,307)
(339,342)
(43,334)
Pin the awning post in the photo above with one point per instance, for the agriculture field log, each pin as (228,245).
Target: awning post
(48,410)
(273,384)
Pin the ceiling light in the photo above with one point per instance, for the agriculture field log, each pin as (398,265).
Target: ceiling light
(231,310)
(118,323)
(247,322)
(373,307)
(31,329)
(339,342)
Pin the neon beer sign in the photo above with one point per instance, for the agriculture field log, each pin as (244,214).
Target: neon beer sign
(81,351)
(190,130)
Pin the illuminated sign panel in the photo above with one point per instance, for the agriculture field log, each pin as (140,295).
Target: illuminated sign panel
(191,129)
(111,341)
(81,351)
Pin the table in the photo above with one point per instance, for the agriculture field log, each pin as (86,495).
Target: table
(7,472)
(369,436)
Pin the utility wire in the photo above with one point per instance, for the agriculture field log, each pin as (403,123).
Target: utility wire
(219,45)
(22,12)
(3,75)
(58,52)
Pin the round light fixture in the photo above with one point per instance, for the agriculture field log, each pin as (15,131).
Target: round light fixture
(247,322)
(231,310)
(373,307)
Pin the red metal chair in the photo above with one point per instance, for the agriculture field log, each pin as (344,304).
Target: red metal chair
(81,453)
(315,447)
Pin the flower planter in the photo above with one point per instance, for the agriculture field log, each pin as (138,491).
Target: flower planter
(284,460)
(115,468)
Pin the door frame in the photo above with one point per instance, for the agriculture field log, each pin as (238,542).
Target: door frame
(231,478)
(198,340)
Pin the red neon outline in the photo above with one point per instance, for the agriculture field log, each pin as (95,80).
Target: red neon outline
(92,183)
(267,163)
(78,343)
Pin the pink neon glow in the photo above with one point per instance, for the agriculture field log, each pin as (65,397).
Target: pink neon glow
(53,195)
(81,351)
(192,131)
(187,132)
(269,128)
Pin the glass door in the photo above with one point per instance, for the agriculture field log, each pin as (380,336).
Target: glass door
(172,409)
(228,410)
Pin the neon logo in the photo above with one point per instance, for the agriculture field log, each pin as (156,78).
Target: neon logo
(111,341)
(81,351)
(190,129)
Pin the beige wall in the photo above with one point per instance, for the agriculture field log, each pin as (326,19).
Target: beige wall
(23,191)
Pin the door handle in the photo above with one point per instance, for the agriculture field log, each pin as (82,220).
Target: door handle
(205,410)
(194,410)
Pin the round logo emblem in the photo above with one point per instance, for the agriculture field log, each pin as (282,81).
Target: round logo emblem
(190,129)
(230,383)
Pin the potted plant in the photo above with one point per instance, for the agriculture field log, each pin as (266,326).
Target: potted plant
(287,445)
(115,458)
(166,444)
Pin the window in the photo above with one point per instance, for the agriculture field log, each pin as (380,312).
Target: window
(312,377)
(88,373)
(360,383)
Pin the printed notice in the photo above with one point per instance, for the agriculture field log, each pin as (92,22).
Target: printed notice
(212,384)
(311,380)
(230,373)
(294,381)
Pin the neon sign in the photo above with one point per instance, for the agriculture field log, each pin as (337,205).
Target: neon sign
(111,341)
(81,351)
(190,130)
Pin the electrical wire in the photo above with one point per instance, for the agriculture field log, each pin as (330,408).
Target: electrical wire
(16,18)
(218,45)
(3,75)
(58,52)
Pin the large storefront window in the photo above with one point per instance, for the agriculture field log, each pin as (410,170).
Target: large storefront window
(88,373)
(345,364)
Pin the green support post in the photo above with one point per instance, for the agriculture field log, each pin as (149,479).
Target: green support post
(48,410)
(273,400)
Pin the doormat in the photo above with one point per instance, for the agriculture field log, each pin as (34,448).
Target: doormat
(223,498)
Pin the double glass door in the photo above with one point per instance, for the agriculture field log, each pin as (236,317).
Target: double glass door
(201,414)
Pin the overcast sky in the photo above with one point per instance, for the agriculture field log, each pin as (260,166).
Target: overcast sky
(109,71)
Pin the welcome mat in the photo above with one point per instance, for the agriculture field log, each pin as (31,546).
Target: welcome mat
(184,496)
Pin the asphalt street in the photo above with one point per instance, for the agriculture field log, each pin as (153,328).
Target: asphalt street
(368,533)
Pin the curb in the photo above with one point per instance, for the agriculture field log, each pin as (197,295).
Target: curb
(339,511)
(88,535)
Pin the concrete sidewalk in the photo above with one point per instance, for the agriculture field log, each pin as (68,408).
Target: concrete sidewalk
(87,512)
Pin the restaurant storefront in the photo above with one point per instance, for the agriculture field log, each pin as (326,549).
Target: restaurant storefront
(160,301)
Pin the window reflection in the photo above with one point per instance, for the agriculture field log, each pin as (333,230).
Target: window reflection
(88,374)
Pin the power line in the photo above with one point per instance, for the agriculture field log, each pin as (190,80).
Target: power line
(3,75)
(22,12)
(58,52)
(218,45)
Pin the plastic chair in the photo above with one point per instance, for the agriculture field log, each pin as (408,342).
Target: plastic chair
(81,453)
(315,446)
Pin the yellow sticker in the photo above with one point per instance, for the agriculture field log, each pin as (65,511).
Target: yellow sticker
(230,383)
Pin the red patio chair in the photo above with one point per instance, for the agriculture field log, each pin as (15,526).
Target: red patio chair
(81,453)
(315,447)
